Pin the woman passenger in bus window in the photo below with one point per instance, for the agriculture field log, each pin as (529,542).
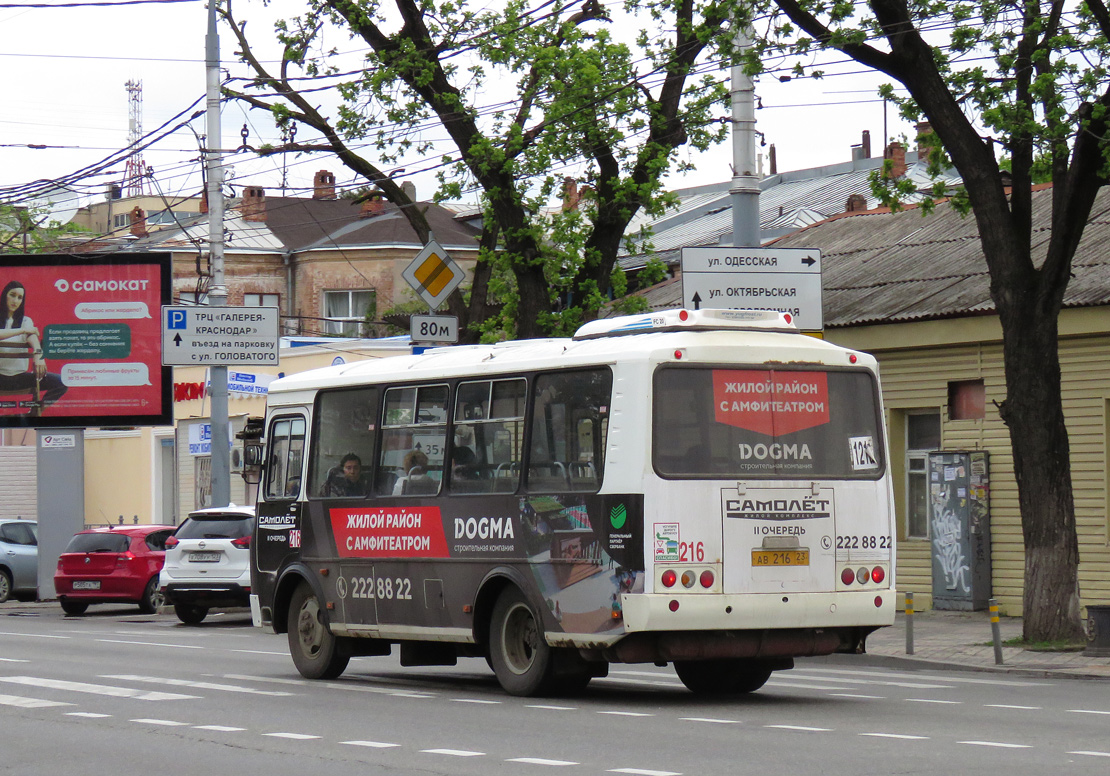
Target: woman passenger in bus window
(348,480)
(415,478)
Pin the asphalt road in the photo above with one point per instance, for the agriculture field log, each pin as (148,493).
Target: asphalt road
(115,692)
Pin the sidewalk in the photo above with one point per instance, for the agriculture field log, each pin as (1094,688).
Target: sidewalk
(964,639)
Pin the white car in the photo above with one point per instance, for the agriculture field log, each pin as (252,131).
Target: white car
(208,562)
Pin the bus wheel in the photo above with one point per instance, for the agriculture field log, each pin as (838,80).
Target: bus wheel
(722,677)
(521,657)
(313,647)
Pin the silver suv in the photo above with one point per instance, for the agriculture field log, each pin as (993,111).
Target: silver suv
(19,559)
(208,562)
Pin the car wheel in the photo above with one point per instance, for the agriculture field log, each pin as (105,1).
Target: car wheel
(74,607)
(190,615)
(521,657)
(722,677)
(5,585)
(314,648)
(152,599)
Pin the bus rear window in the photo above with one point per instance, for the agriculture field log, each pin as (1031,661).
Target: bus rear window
(762,423)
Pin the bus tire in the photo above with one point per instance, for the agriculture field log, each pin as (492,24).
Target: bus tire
(722,677)
(314,648)
(521,657)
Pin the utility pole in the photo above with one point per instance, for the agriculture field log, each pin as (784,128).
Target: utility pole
(744,191)
(217,292)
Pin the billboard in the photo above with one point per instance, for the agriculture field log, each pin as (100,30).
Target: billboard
(81,341)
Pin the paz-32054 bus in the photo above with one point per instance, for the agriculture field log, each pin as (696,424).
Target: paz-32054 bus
(703,488)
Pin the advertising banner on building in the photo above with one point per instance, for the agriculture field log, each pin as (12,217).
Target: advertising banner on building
(80,340)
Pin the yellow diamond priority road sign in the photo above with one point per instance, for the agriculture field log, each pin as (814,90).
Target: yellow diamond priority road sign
(433,274)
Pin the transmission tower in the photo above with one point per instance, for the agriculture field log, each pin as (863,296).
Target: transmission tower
(134,181)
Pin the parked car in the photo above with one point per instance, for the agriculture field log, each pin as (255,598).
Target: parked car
(112,565)
(208,562)
(19,560)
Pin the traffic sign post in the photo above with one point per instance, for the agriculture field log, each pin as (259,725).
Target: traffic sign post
(434,328)
(783,279)
(219,336)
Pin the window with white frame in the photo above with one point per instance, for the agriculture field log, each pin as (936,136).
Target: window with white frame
(922,437)
(261,300)
(346,312)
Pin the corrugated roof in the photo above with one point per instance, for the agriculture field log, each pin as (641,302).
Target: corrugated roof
(886,267)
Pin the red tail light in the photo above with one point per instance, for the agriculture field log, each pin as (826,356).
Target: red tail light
(877,574)
(669,578)
(706,579)
(124,558)
(172,542)
(847,576)
(243,542)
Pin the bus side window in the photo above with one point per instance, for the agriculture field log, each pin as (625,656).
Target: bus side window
(414,436)
(286,454)
(487,442)
(345,424)
(570,423)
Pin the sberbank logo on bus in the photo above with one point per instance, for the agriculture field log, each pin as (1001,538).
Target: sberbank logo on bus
(484,528)
(617,516)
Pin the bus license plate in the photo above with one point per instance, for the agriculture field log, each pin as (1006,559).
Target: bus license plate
(780,557)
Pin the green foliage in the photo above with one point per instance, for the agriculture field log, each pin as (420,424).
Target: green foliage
(529,93)
(28,230)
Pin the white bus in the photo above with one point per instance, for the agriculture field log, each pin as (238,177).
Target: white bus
(704,488)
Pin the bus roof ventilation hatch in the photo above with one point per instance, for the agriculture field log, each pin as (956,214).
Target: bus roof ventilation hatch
(687,320)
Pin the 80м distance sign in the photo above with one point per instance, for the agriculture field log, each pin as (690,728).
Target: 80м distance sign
(220,336)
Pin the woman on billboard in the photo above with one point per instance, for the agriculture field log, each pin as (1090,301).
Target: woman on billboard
(19,333)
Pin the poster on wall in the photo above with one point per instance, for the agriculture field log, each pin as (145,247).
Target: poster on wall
(81,339)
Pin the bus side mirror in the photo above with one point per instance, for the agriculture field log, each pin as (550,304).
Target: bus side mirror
(252,462)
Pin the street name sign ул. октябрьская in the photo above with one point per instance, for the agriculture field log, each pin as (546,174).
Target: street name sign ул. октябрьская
(220,336)
(783,279)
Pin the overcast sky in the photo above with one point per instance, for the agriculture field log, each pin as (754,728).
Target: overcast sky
(65,71)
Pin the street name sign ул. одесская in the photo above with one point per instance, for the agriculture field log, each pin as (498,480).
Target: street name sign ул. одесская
(220,336)
(734,278)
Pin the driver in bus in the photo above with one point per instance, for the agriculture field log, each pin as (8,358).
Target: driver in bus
(348,481)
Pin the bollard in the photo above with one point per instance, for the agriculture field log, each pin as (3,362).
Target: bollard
(995,633)
(909,623)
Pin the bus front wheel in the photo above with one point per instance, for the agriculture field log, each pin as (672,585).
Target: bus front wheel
(314,648)
(722,677)
(521,657)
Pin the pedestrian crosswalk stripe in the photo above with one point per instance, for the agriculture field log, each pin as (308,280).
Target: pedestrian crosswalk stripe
(28,703)
(95,689)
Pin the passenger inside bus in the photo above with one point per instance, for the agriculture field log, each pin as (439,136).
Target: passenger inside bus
(346,479)
(416,478)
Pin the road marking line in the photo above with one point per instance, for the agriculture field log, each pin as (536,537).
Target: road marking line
(997,744)
(710,719)
(932,700)
(88,714)
(627,713)
(549,708)
(220,728)
(642,772)
(1087,711)
(293,736)
(28,703)
(149,644)
(453,752)
(271,679)
(800,727)
(402,694)
(473,700)
(948,679)
(1093,754)
(34,635)
(259,652)
(97,689)
(13,660)
(194,685)
(797,686)
(165,722)
(854,695)
(1011,706)
(371,744)
(539,761)
(896,735)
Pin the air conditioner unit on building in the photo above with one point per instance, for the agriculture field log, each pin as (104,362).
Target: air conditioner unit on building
(237,458)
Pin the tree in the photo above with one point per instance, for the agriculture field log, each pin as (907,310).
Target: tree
(30,230)
(565,91)
(1026,81)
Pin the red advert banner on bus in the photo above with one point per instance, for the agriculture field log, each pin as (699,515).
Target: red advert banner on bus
(80,341)
(389,532)
(770,402)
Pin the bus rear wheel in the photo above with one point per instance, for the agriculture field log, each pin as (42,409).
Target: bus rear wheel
(722,677)
(521,657)
(314,648)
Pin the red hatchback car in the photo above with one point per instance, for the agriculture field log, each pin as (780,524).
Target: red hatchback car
(110,565)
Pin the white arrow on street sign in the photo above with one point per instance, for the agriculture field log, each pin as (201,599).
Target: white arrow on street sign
(783,279)
(219,336)
(433,274)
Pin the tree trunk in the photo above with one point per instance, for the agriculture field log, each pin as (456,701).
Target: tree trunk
(1033,411)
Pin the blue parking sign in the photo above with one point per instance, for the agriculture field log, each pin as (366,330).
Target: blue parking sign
(175,319)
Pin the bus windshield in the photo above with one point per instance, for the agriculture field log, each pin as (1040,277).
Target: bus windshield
(755,423)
